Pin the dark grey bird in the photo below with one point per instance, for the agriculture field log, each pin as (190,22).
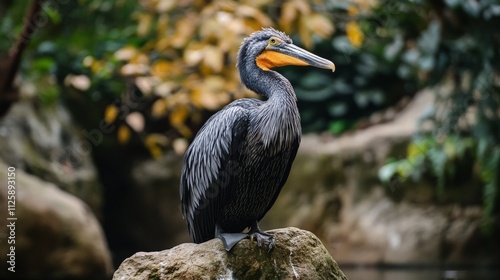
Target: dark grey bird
(240,159)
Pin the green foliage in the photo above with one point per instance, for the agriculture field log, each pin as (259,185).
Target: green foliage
(460,47)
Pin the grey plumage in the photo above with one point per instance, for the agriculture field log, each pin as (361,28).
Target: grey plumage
(240,159)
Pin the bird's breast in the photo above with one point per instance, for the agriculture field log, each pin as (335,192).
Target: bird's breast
(276,130)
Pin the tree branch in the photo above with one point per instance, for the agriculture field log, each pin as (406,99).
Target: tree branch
(13,60)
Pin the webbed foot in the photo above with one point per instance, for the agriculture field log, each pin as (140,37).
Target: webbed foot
(231,239)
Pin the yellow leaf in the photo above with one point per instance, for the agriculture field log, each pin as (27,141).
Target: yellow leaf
(161,68)
(213,58)
(354,34)
(193,54)
(352,10)
(140,58)
(304,33)
(110,113)
(165,89)
(125,53)
(155,151)
(123,134)
(179,115)
(155,139)
(134,69)
(253,13)
(184,29)
(288,16)
(159,108)
(414,151)
(210,94)
(155,143)
(146,84)
(165,5)
(96,66)
(320,25)
(144,23)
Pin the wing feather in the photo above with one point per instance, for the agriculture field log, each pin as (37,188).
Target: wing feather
(206,173)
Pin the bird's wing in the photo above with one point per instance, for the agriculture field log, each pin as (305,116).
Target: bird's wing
(209,169)
(293,153)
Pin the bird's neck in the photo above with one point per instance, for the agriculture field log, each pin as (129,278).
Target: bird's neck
(279,116)
(268,83)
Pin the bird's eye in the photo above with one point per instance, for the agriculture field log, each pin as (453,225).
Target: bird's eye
(273,41)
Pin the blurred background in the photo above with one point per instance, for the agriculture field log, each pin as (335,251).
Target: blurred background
(398,170)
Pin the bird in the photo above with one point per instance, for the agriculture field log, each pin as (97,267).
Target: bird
(238,162)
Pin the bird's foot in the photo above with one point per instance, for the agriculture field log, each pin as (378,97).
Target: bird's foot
(231,239)
(263,238)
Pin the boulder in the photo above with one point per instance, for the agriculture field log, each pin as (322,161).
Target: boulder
(297,254)
(56,235)
(44,141)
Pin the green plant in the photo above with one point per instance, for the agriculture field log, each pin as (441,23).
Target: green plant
(459,47)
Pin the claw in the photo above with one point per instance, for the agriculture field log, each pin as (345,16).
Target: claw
(263,238)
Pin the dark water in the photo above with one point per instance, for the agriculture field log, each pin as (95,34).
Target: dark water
(421,274)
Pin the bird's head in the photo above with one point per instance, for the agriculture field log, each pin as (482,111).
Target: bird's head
(270,48)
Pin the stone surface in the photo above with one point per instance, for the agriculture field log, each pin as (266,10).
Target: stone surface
(45,142)
(298,254)
(56,235)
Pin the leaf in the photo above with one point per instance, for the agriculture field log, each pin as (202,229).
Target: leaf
(178,115)
(125,53)
(110,113)
(131,69)
(213,58)
(354,34)
(53,13)
(288,15)
(210,94)
(144,23)
(184,29)
(343,45)
(161,68)
(254,13)
(320,25)
(159,108)
(136,121)
(428,41)
(155,143)
(123,134)
(180,146)
(352,10)
(337,109)
(388,171)
(193,54)
(165,89)
(80,82)
(146,84)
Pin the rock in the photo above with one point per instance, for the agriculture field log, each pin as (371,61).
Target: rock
(56,235)
(298,254)
(45,142)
